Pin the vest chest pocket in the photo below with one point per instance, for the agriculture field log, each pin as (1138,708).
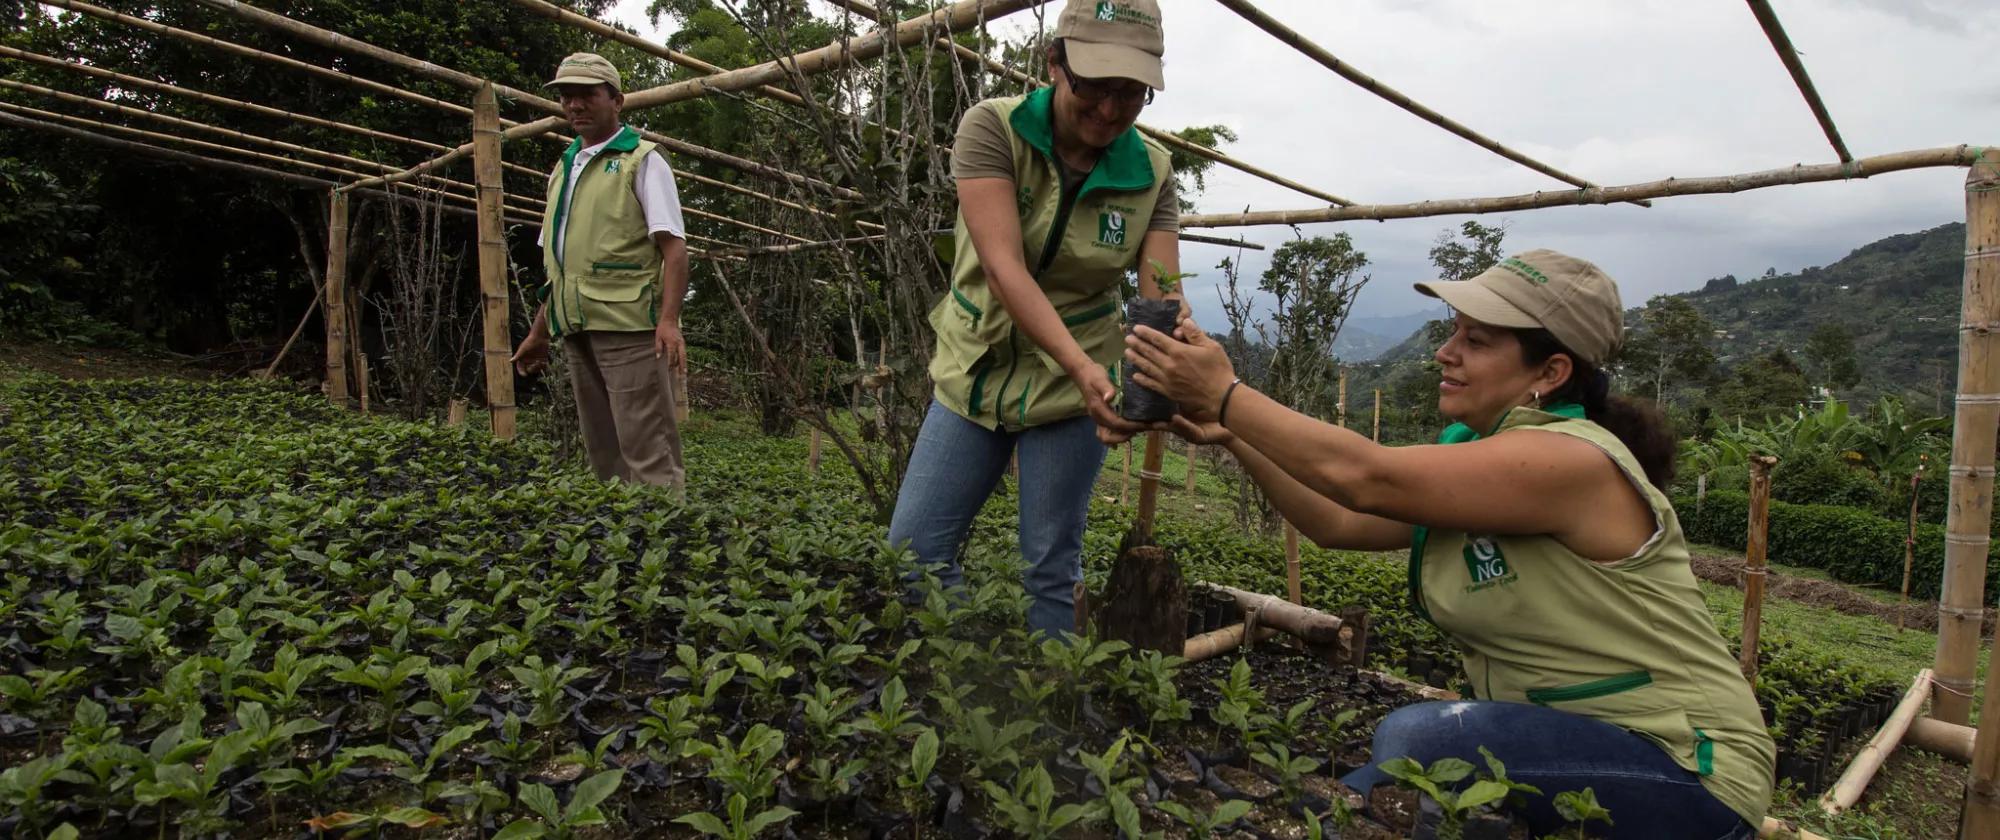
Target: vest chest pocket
(615,282)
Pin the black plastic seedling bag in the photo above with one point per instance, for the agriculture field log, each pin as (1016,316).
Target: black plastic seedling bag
(1141,403)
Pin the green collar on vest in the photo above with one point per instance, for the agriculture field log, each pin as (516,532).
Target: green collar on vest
(625,140)
(1461,433)
(1123,166)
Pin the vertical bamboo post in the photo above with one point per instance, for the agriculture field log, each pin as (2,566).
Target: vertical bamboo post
(454,413)
(812,453)
(1149,481)
(355,355)
(1193,452)
(335,300)
(1968,524)
(1377,435)
(1982,784)
(493,260)
(1909,545)
(1294,589)
(1753,566)
(1340,406)
(682,399)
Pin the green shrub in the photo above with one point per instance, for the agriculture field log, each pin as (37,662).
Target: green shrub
(1854,545)
(1826,479)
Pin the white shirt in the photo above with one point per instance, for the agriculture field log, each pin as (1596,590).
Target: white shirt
(658,196)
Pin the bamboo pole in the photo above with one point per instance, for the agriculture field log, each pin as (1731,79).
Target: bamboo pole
(1217,642)
(1304,622)
(247,52)
(812,453)
(1163,136)
(100,125)
(1757,545)
(1340,403)
(1909,546)
(1193,452)
(1949,740)
(1800,174)
(1149,483)
(1294,586)
(1125,488)
(1968,522)
(1377,434)
(1775,31)
(1982,787)
(130,81)
(612,33)
(336,299)
(454,412)
(1854,781)
(272,368)
(493,262)
(1293,39)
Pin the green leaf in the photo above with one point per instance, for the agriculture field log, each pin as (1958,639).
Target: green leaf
(413,818)
(1449,770)
(542,801)
(1482,792)
(1231,811)
(770,817)
(595,790)
(924,756)
(522,830)
(704,823)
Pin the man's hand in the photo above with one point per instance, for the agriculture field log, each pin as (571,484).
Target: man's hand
(532,355)
(1193,371)
(667,343)
(1097,396)
(1201,432)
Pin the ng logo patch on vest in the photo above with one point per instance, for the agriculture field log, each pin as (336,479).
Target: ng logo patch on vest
(1486,564)
(612,166)
(1111,228)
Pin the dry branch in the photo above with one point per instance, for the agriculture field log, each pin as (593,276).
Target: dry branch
(1799,174)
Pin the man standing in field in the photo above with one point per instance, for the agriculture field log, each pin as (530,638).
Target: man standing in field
(615,250)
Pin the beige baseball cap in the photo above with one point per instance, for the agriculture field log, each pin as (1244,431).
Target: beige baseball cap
(1571,298)
(586,69)
(1117,39)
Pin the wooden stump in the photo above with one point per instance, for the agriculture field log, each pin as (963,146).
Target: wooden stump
(1145,600)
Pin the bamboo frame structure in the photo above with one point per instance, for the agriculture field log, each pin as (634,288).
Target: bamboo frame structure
(1342,638)
(1968,525)
(1854,780)
(1775,31)
(1966,537)
(1149,483)
(1800,174)
(494,303)
(1756,546)
(1165,137)
(1293,39)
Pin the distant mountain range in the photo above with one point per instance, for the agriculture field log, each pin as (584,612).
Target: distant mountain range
(1366,339)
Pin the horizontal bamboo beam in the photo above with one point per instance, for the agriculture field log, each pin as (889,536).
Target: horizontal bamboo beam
(1775,31)
(1293,39)
(1951,740)
(1854,781)
(136,82)
(865,9)
(607,31)
(1217,642)
(1800,174)
(1217,240)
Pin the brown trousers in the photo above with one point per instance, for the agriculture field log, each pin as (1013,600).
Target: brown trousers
(625,399)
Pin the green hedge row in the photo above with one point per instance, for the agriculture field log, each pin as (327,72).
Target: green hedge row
(1853,545)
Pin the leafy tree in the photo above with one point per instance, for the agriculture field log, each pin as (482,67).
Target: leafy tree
(1464,259)
(1830,351)
(1192,170)
(1312,282)
(1764,387)
(1672,343)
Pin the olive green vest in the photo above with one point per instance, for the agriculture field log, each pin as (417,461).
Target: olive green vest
(1078,253)
(607,277)
(1630,643)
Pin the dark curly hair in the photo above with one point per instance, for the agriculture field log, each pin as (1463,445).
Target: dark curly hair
(1639,424)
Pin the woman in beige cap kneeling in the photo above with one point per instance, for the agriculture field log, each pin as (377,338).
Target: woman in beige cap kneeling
(1541,542)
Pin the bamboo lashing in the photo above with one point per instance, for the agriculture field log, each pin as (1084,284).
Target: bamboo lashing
(499,342)
(1165,137)
(1756,546)
(1311,50)
(1854,780)
(1968,520)
(336,299)
(1800,174)
(1775,31)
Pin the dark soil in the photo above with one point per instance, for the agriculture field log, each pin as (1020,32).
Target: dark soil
(1825,594)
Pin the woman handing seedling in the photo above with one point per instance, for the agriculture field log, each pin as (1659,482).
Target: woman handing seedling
(1540,541)
(1059,197)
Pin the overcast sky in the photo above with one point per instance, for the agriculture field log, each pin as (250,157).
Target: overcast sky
(1615,92)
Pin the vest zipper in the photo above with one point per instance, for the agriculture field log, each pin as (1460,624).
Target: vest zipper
(1049,246)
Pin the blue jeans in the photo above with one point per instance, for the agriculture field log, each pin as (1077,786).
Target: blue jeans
(954,468)
(1647,794)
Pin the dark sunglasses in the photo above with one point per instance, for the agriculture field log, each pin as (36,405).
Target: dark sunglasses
(1097,90)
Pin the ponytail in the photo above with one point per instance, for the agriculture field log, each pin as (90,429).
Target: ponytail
(1638,423)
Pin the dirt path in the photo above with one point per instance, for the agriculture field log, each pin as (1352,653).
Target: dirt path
(1825,594)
